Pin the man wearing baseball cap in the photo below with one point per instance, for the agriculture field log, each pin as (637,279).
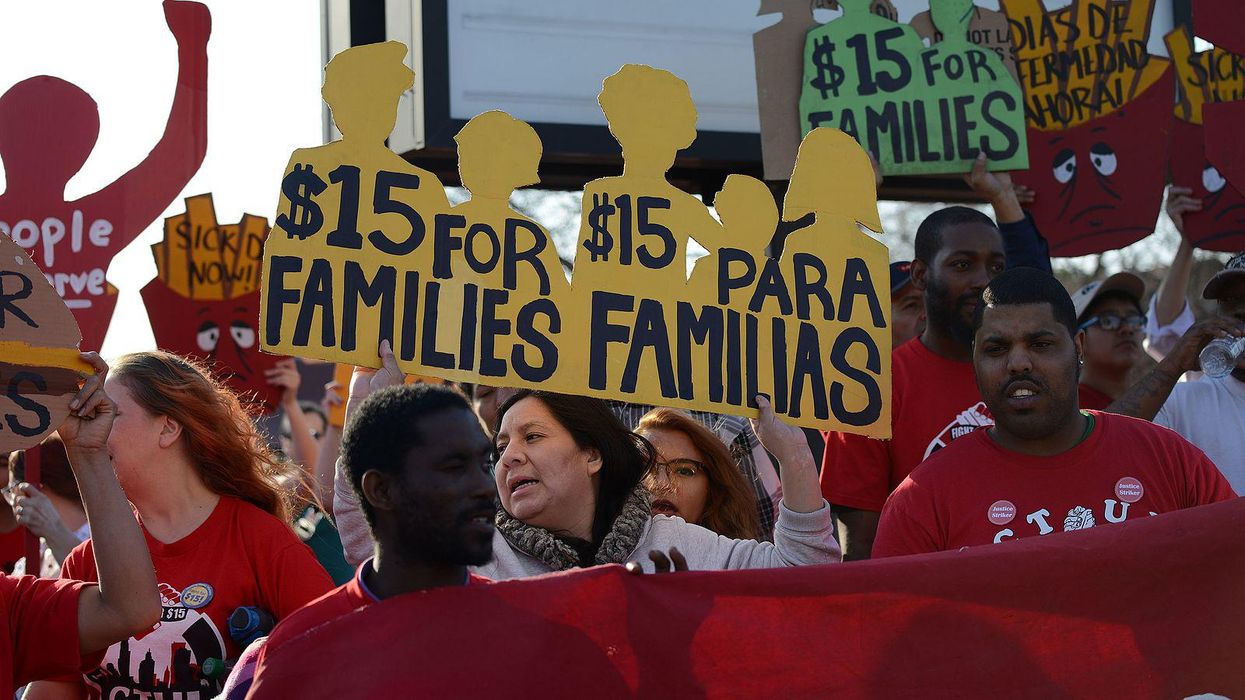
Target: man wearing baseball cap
(1210,412)
(907,305)
(1111,325)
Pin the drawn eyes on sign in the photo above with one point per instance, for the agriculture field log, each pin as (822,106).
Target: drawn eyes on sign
(242,334)
(1212,180)
(1103,158)
(208,337)
(1064,166)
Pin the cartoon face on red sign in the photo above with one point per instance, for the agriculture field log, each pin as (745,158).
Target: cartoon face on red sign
(1100,183)
(222,332)
(1220,225)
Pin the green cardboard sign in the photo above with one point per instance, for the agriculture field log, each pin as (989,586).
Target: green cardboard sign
(919,110)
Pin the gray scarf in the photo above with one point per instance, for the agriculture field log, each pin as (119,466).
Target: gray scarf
(619,543)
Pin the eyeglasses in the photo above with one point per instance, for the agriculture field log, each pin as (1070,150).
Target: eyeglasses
(677,469)
(1111,322)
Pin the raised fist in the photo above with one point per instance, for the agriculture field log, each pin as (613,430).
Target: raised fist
(188,20)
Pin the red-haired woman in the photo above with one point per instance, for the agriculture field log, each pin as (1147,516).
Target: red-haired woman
(203,483)
(695,477)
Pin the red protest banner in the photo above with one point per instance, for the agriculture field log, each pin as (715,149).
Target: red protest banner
(1148,608)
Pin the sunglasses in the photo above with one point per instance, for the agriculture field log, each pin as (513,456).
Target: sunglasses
(1111,322)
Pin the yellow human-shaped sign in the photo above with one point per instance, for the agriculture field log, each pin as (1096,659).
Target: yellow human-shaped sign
(365,248)
(634,226)
(505,265)
(347,244)
(842,278)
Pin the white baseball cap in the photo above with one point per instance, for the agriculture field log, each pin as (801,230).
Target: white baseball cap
(1125,282)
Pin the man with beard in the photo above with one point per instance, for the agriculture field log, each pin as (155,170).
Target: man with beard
(1110,324)
(419,462)
(934,398)
(1045,465)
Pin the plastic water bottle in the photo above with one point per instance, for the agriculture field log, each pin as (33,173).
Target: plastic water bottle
(1219,357)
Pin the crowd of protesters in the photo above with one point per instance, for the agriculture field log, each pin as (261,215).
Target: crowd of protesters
(171,525)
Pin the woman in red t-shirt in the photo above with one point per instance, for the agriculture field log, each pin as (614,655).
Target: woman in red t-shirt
(203,484)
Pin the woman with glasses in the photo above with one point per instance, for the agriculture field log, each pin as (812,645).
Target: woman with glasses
(1111,326)
(571,481)
(695,477)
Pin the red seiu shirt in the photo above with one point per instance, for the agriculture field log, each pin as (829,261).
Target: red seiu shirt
(341,601)
(239,556)
(1092,399)
(40,635)
(976,492)
(934,401)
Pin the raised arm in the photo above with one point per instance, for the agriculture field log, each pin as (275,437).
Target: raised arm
(143,193)
(126,601)
(1023,244)
(351,526)
(1170,300)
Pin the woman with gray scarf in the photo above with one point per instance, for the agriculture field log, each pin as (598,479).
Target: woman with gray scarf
(569,477)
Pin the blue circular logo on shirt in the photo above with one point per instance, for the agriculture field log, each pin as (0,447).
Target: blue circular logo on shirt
(197,595)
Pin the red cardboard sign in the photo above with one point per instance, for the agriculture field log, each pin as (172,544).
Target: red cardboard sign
(48,128)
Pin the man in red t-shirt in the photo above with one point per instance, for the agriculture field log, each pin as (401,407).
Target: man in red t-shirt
(934,399)
(1112,326)
(419,462)
(47,625)
(1046,465)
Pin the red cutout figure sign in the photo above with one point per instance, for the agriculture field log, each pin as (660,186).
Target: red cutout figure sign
(204,301)
(1098,108)
(1206,78)
(48,128)
(1221,23)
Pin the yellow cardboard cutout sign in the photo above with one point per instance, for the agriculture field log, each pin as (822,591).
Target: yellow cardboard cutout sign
(366,247)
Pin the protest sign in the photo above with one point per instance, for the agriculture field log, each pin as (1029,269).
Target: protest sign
(1221,23)
(1098,114)
(780,70)
(1066,614)
(365,247)
(48,128)
(986,28)
(204,300)
(39,365)
(919,110)
(1205,77)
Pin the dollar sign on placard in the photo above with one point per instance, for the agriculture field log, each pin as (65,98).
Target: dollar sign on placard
(305,217)
(829,76)
(601,242)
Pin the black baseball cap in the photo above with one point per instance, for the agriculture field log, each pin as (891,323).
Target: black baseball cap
(1234,268)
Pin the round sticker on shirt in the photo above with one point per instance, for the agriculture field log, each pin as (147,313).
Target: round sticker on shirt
(1001,512)
(197,595)
(1129,490)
